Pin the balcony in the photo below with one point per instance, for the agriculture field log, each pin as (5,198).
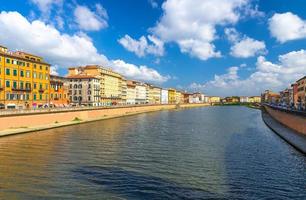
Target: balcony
(21,89)
(41,90)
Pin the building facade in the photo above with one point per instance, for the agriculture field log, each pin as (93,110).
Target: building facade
(215,99)
(294,95)
(244,99)
(154,94)
(141,93)
(131,93)
(110,82)
(84,90)
(301,93)
(24,80)
(164,96)
(171,96)
(123,92)
(58,91)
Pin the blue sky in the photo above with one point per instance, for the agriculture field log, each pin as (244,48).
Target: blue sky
(220,47)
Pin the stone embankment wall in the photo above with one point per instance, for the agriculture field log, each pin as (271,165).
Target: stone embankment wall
(295,121)
(56,119)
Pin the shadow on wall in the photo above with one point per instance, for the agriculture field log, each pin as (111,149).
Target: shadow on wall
(134,185)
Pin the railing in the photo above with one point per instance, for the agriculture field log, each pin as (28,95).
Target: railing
(287,109)
(22,89)
(13,112)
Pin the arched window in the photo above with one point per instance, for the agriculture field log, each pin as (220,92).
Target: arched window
(75,86)
(80,86)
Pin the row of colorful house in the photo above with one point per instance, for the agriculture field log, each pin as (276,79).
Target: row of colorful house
(293,97)
(241,99)
(26,82)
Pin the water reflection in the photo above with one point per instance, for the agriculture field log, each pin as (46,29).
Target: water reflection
(215,152)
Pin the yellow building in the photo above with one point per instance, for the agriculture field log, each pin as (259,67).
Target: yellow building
(111,82)
(171,96)
(255,99)
(154,94)
(178,97)
(123,91)
(24,80)
(214,99)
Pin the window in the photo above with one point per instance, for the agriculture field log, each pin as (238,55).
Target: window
(47,68)
(15,84)
(34,96)
(15,72)
(28,85)
(40,76)
(21,85)
(28,65)
(34,85)
(34,66)
(28,74)
(47,77)
(34,75)
(47,86)
(27,96)
(7,84)
(40,67)
(40,97)
(7,71)
(8,61)
(14,62)
(22,73)
(40,86)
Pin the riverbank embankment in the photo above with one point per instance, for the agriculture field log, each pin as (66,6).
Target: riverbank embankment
(289,125)
(30,122)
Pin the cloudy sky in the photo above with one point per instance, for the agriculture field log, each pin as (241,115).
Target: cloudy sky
(220,47)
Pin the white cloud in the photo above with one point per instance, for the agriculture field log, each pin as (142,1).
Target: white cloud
(54,70)
(90,21)
(60,49)
(287,26)
(192,24)
(268,75)
(142,47)
(248,47)
(142,72)
(244,47)
(45,5)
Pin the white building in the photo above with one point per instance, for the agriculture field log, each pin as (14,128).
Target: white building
(164,96)
(130,93)
(196,98)
(206,99)
(141,93)
(244,100)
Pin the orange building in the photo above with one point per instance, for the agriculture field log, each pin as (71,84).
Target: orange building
(58,91)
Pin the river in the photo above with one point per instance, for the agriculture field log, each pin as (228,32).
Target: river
(198,153)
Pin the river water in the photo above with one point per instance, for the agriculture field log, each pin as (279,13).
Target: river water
(199,153)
